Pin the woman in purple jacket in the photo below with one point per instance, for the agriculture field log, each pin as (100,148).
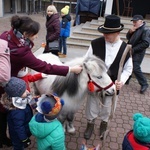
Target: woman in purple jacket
(20,39)
(52,27)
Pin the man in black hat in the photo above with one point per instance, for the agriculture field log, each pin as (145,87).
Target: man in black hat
(139,37)
(110,49)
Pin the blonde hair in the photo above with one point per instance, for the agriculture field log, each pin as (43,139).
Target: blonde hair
(52,8)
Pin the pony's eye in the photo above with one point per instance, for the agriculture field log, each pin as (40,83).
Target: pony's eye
(99,77)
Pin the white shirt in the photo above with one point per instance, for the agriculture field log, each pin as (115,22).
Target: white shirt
(111,52)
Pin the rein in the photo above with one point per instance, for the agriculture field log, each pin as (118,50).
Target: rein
(91,85)
(127,49)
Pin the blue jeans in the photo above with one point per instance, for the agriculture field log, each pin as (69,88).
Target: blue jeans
(137,60)
(63,45)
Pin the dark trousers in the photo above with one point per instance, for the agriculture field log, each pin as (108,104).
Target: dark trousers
(17,143)
(3,126)
(137,60)
(63,45)
(3,120)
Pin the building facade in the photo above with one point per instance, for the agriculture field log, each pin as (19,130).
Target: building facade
(19,6)
(33,6)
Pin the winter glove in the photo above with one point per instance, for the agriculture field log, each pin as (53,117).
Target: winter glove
(26,142)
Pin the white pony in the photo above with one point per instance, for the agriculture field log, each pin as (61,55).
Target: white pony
(73,88)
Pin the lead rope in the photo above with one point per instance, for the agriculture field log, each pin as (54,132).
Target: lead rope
(127,49)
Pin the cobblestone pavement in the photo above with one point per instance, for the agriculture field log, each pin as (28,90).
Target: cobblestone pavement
(130,101)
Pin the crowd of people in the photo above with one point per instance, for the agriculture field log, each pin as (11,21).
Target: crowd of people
(15,105)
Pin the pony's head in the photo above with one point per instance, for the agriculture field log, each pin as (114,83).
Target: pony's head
(99,80)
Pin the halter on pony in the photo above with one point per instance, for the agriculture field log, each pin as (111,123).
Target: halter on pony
(91,85)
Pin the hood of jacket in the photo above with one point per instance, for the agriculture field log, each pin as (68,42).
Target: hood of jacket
(51,19)
(43,129)
(67,17)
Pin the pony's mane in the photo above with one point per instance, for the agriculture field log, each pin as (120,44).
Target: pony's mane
(99,62)
(68,84)
(71,81)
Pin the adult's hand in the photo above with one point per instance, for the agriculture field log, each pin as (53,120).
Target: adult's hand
(76,69)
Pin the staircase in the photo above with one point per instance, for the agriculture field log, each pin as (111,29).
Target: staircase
(81,35)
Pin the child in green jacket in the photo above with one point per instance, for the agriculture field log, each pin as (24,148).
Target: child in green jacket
(44,125)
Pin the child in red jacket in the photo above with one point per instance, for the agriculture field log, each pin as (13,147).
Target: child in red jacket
(27,77)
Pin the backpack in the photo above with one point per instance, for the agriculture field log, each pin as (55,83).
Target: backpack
(131,143)
(5,67)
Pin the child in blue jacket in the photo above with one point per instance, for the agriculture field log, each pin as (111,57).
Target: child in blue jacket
(65,30)
(19,113)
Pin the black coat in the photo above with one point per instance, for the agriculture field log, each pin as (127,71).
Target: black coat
(139,39)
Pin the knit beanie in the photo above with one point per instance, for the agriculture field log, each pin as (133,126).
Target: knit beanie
(15,87)
(65,10)
(50,106)
(141,127)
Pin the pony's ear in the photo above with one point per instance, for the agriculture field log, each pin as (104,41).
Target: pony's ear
(85,66)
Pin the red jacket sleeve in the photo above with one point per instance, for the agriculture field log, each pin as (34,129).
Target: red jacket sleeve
(35,77)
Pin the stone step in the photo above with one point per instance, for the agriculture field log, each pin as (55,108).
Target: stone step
(84,44)
(96,25)
(82,35)
(124,20)
(89,27)
(85,31)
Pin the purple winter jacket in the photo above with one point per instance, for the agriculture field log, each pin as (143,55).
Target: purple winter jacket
(23,57)
(52,27)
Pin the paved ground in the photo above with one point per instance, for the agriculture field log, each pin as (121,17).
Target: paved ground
(130,101)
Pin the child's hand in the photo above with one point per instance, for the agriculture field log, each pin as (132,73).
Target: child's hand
(118,85)
(44,75)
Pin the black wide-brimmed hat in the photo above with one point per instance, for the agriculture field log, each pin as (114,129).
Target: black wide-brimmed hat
(111,25)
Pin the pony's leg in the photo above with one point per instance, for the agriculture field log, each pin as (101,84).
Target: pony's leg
(34,90)
(70,127)
(62,118)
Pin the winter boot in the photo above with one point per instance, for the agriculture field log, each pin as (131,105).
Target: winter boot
(89,130)
(103,128)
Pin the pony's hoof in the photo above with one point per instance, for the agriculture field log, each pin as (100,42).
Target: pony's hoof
(70,128)
(71,131)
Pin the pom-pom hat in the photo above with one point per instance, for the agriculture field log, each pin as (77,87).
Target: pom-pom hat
(50,105)
(15,87)
(65,10)
(141,127)
(111,25)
